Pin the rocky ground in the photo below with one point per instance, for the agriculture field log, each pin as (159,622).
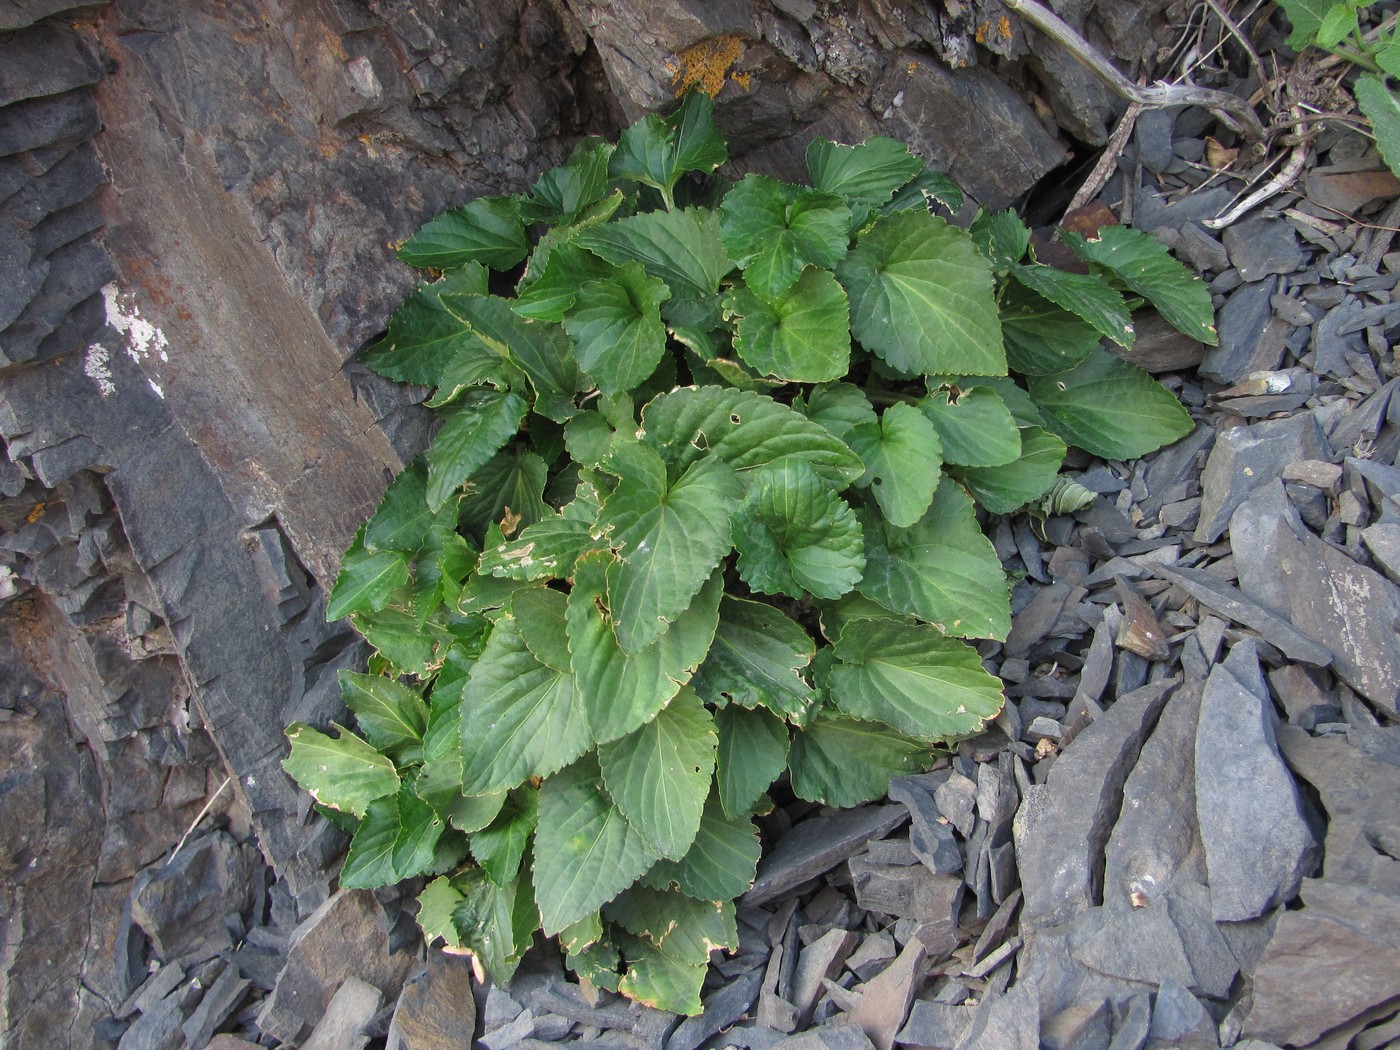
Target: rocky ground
(1181,831)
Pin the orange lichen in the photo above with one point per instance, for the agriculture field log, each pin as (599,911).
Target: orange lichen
(981,35)
(911,68)
(36,513)
(706,65)
(1004,27)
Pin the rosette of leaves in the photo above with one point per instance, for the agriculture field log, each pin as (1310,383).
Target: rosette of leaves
(701,513)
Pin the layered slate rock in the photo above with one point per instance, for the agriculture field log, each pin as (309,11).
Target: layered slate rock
(1327,963)
(1258,847)
(1063,824)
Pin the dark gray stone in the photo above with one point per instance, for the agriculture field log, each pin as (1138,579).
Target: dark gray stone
(345,937)
(1355,789)
(1210,590)
(1343,947)
(956,799)
(1254,539)
(218,1003)
(721,1009)
(1085,1026)
(1150,210)
(1063,824)
(1331,347)
(1383,541)
(1152,134)
(1258,845)
(1247,458)
(821,960)
(1135,1024)
(1179,1020)
(816,846)
(1246,344)
(1011,1022)
(913,892)
(1262,246)
(935,1025)
(1201,250)
(435,1010)
(1352,610)
(181,905)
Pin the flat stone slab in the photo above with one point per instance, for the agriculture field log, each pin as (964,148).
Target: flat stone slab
(1246,458)
(816,846)
(1063,824)
(1327,963)
(1258,846)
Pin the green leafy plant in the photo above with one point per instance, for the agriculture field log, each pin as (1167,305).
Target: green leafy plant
(1335,26)
(702,510)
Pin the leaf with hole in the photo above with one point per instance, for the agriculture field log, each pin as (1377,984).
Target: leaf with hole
(343,772)
(1110,408)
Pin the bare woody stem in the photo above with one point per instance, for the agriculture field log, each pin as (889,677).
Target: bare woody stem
(1231,109)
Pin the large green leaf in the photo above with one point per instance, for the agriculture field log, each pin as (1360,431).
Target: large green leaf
(925,685)
(921,297)
(620,692)
(563,192)
(415,843)
(1001,236)
(757,659)
(1143,263)
(659,775)
(497,923)
(392,716)
(545,550)
(342,772)
(669,950)
(540,350)
(1041,337)
(657,151)
(616,328)
(976,430)
(839,407)
(1306,17)
(586,852)
(869,173)
(681,248)
(1009,487)
(802,335)
(436,904)
(753,750)
(1381,106)
(472,432)
(1088,298)
(550,295)
(902,455)
(411,645)
(773,229)
(520,717)
(929,186)
(367,581)
(720,863)
(425,338)
(402,520)
(844,762)
(489,230)
(511,481)
(795,534)
(500,847)
(369,863)
(745,430)
(943,570)
(669,536)
(1110,408)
